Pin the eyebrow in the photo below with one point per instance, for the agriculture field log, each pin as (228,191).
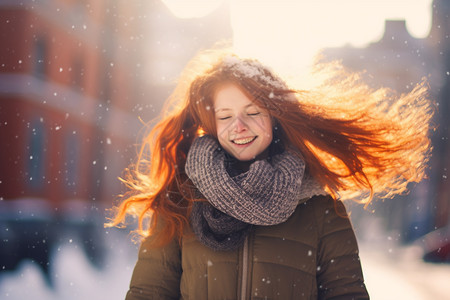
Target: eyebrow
(225,109)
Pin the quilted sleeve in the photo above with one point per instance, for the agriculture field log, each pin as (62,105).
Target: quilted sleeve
(157,273)
(339,274)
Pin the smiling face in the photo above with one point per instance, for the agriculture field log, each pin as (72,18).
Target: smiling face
(244,130)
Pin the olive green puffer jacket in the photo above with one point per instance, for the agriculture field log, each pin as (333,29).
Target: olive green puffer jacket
(313,255)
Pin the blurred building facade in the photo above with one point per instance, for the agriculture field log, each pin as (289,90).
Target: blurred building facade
(76,78)
(66,89)
(400,61)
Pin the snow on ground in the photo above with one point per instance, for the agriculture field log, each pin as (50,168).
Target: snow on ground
(399,273)
(395,271)
(391,272)
(74,277)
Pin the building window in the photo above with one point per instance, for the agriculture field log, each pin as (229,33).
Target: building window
(71,162)
(77,75)
(36,155)
(40,56)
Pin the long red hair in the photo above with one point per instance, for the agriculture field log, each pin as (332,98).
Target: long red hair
(356,141)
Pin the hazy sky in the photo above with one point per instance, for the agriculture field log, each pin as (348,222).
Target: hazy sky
(287,33)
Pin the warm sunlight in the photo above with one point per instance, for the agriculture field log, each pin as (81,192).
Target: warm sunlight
(287,34)
(191,8)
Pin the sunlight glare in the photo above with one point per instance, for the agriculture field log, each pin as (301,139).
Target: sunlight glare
(288,33)
(192,8)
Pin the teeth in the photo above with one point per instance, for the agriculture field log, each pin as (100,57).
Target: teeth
(243,141)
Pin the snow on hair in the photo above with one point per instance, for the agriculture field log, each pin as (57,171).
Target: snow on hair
(250,68)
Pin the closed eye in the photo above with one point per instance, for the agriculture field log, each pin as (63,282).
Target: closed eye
(254,114)
(223,118)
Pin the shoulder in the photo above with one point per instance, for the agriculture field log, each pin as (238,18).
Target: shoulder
(166,254)
(329,214)
(305,225)
(324,205)
(311,188)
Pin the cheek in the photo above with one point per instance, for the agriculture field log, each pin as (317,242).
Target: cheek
(221,133)
(268,133)
(263,126)
(268,136)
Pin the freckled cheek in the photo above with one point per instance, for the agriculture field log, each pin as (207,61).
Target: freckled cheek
(224,129)
(267,138)
(222,133)
(263,126)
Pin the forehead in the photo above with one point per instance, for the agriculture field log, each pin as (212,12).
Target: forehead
(231,95)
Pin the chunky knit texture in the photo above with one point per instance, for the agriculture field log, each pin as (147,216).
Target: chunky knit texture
(267,194)
(217,230)
(225,226)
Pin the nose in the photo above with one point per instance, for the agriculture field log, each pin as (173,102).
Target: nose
(239,125)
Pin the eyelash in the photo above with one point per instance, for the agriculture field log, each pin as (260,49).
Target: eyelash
(252,114)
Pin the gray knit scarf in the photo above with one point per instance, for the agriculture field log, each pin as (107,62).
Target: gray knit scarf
(266,194)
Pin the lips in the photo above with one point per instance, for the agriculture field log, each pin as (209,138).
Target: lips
(244,141)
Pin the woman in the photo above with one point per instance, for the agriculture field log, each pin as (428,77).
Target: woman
(239,196)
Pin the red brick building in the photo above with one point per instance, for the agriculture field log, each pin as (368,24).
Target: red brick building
(76,77)
(73,84)
(63,80)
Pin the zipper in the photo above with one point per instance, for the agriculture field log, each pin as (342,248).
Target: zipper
(245,267)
